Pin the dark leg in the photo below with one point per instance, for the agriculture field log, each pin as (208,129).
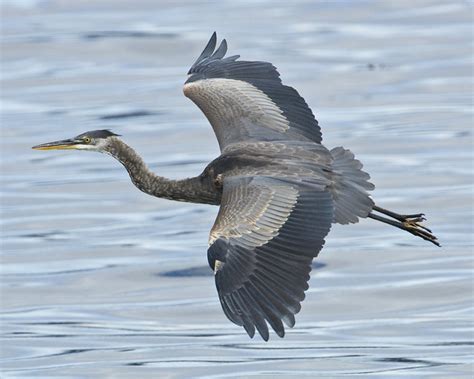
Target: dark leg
(411,219)
(397,216)
(409,223)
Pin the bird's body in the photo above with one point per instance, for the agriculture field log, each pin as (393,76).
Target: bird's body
(279,189)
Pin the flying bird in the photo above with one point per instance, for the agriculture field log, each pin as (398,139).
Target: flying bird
(279,188)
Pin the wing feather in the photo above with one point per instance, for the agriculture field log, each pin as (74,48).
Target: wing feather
(206,53)
(246,101)
(264,263)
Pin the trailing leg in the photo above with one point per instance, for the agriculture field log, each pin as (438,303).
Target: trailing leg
(409,223)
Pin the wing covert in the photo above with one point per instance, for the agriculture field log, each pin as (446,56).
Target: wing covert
(246,100)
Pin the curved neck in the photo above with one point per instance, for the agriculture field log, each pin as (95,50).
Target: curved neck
(195,190)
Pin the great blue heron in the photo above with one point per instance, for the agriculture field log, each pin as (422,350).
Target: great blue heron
(279,189)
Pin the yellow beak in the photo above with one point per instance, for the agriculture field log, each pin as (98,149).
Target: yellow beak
(57,145)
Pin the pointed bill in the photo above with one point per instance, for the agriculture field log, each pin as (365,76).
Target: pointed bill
(57,145)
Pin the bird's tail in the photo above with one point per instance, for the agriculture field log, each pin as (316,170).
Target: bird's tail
(349,187)
(410,223)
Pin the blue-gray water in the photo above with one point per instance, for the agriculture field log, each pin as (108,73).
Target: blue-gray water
(100,280)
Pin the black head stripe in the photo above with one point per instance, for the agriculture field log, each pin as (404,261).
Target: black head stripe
(98,134)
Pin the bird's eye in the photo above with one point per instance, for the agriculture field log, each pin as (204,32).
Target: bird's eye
(87,140)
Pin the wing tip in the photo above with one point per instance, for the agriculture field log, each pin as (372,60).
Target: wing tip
(249,328)
(210,53)
(263,331)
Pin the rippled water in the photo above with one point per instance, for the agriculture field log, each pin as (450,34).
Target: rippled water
(99,280)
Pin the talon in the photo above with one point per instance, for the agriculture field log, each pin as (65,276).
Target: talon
(413,218)
(424,227)
(420,231)
(415,223)
(416,215)
(415,226)
(411,223)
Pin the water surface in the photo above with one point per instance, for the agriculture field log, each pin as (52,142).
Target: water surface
(100,280)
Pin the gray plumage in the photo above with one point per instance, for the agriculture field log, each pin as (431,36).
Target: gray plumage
(279,189)
(195,190)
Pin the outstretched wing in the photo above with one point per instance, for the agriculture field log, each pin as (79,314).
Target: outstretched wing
(246,101)
(264,239)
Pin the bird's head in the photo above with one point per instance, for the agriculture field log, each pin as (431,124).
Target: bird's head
(95,140)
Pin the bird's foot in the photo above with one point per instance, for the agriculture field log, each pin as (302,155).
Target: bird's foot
(418,216)
(409,222)
(414,221)
(412,224)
